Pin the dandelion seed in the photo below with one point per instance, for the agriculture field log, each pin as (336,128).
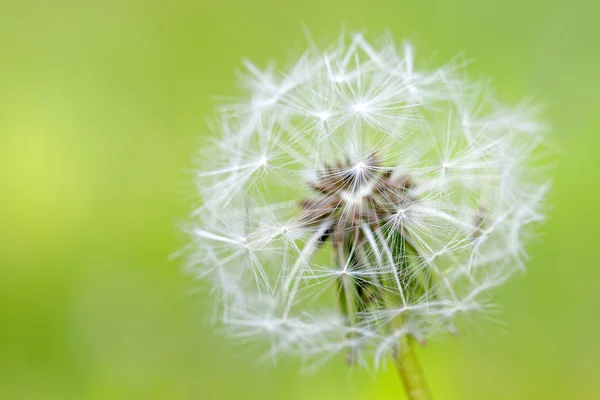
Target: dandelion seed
(323,115)
(360,107)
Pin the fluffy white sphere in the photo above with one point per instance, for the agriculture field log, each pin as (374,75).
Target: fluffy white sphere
(353,199)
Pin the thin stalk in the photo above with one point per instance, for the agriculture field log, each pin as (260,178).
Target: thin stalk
(409,370)
(403,352)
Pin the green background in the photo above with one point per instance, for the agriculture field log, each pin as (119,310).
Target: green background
(103,106)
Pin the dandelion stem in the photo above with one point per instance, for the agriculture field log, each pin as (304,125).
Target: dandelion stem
(409,370)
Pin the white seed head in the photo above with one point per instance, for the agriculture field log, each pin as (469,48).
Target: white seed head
(355,198)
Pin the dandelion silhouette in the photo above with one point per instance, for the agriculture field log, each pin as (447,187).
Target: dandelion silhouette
(356,204)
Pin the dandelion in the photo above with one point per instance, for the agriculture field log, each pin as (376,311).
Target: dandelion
(357,204)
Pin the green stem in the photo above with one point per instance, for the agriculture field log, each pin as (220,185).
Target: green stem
(409,370)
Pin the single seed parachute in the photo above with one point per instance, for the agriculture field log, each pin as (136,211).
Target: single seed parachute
(353,200)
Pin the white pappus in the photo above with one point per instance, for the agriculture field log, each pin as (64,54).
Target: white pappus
(353,199)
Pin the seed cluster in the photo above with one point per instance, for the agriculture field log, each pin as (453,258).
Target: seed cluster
(427,211)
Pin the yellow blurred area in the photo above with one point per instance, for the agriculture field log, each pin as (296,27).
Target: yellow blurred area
(103,108)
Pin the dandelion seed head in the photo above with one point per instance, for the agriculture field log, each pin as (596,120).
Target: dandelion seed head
(356,198)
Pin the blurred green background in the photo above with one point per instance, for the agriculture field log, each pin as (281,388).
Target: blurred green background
(102,108)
